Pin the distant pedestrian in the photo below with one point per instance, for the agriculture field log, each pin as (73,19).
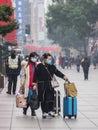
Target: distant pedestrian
(78,63)
(13,66)
(94,62)
(27,84)
(85,64)
(43,76)
(69,63)
(60,61)
(54,60)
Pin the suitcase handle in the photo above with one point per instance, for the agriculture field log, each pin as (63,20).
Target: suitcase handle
(67,81)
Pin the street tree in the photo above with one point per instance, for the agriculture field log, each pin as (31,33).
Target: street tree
(80,16)
(7,25)
(6,12)
(59,1)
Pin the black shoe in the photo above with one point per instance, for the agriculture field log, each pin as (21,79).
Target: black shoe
(14,93)
(33,113)
(44,115)
(8,93)
(24,111)
(52,114)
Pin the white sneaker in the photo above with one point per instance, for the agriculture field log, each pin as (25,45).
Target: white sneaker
(44,115)
(52,114)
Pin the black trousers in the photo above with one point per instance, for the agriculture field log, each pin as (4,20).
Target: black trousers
(86,75)
(25,109)
(12,82)
(47,104)
(78,68)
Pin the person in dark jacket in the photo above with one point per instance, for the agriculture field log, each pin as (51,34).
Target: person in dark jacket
(13,66)
(43,73)
(78,63)
(95,62)
(85,64)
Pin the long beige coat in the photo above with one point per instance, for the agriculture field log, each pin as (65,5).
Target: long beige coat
(25,78)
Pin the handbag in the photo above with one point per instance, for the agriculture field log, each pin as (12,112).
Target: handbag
(34,102)
(54,82)
(21,102)
(70,89)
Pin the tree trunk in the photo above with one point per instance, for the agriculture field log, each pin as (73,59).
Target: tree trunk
(85,44)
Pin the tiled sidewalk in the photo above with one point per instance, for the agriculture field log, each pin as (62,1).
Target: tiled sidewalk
(11,118)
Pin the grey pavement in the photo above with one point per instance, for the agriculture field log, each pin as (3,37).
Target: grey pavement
(11,118)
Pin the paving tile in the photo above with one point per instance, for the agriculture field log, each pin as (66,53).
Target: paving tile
(5,122)
(18,112)
(80,123)
(4,107)
(24,122)
(52,123)
(5,114)
(17,109)
(95,121)
(55,129)
(4,128)
(85,129)
(90,114)
(83,103)
(86,108)
(25,128)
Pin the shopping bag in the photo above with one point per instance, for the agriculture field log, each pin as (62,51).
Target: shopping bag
(34,102)
(70,89)
(21,102)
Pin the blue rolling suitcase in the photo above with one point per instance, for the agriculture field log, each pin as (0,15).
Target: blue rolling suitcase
(70,107)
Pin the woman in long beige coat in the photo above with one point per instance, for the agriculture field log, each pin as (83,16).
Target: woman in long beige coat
(27,84)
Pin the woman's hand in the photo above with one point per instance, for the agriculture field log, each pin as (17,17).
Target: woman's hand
(34,85)
(21,88)
(65,78)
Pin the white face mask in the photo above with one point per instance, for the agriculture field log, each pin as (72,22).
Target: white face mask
(34,59)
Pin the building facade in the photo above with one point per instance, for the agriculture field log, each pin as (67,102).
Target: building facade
(19,15)
(38,22)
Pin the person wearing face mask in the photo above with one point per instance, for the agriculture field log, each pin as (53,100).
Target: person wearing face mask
(45,90)
(27,84)
(23,63)
(13,67)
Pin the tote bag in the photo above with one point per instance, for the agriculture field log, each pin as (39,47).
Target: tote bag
(70,89)
(21,102)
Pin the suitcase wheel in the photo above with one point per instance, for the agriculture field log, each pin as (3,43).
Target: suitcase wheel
(69,117)
(75,116)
